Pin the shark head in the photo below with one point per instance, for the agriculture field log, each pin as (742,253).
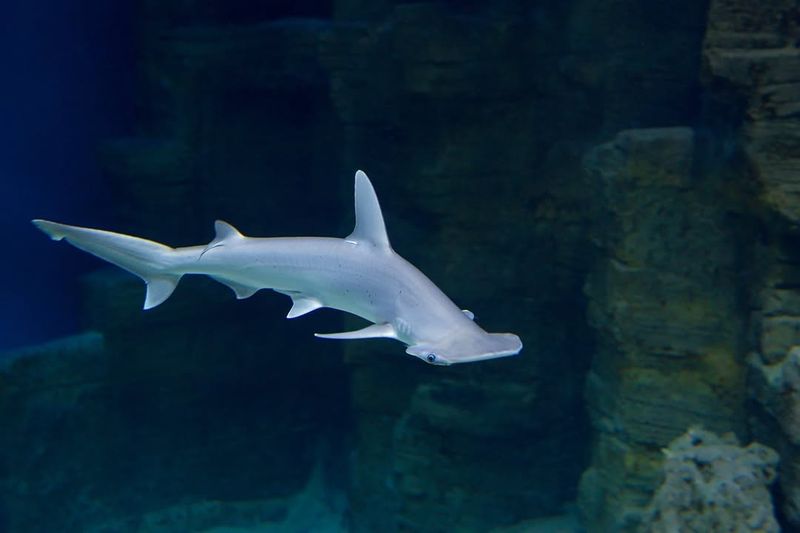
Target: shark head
(467,348)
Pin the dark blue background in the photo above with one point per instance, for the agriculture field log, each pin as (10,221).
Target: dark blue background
(67,84)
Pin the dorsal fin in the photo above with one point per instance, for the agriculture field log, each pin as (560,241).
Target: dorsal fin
(370,228)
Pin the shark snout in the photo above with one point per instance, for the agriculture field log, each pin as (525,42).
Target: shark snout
(462,348)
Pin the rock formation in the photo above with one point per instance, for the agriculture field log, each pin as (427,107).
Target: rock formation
(663,300)
(713,484)
(753,70)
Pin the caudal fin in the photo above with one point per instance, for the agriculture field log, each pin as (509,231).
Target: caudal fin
(149,260)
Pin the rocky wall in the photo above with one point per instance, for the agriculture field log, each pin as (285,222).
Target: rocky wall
(753,67)
(173,420)
(664,301)
(236,123)
(445,110)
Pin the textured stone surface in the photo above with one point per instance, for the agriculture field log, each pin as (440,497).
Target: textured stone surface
(753,67)
(776,388)
(752,49)
(444,111)
(226,133)
(173,414)
(639,59)
(713,484)
(663,302)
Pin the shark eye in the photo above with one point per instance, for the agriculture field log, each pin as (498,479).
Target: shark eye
(431,357)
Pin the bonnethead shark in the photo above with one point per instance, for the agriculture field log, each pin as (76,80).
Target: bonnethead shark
(360,274)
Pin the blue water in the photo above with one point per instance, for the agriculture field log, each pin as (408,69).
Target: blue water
(67,84)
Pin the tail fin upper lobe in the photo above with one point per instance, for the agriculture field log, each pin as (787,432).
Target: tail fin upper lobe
(147,259)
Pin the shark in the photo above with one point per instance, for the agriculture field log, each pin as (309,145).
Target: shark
(360,274)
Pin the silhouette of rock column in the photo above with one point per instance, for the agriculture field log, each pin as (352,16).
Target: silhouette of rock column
(663,302)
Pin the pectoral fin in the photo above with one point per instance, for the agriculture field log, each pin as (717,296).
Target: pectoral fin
(370,332)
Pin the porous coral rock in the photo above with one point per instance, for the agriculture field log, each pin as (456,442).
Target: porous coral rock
(776,388)
(714,484)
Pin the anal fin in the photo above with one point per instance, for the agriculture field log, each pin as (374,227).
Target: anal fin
(302,305)
(374,331)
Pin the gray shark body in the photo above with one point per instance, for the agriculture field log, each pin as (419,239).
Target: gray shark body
(360,274)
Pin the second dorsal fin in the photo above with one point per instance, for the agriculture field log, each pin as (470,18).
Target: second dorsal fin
(224,233)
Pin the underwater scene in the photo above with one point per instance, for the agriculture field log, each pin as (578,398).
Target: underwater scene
(376,266)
